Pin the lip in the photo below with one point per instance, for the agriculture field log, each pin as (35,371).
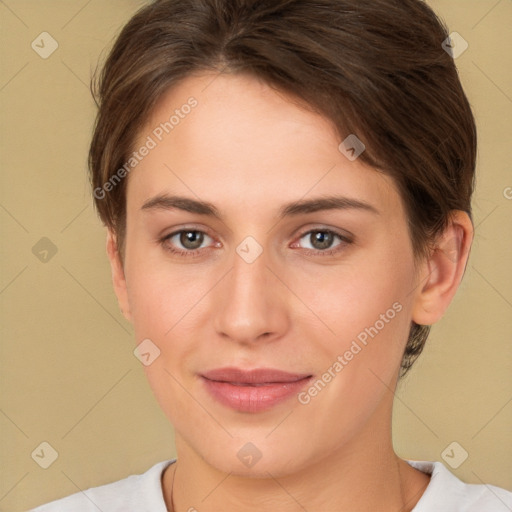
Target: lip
(254,390)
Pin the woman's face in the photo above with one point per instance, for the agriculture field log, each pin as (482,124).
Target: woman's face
(264,277)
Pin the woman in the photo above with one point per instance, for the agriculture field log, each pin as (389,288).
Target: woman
(287,190)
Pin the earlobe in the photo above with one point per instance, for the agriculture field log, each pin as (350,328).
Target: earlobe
(118,275)
(442,272)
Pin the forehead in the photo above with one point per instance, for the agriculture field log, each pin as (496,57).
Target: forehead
(246,144)
(241,115)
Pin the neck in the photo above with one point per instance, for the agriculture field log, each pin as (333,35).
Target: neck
(366,476)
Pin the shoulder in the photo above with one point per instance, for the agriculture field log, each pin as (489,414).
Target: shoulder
(136,492)
(446,492)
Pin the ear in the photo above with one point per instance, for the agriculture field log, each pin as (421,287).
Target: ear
(442,271)
(118,277)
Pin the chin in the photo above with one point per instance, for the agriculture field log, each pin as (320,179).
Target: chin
(255,459)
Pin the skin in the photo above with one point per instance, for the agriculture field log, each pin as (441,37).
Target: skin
(248,150)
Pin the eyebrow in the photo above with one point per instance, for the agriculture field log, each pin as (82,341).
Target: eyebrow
(303,206)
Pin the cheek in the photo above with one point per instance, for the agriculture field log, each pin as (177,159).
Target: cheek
(350,300)
(334,304)
(369,312)
(368,307)
(162,294)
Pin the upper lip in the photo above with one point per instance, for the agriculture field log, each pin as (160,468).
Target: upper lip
(255,376)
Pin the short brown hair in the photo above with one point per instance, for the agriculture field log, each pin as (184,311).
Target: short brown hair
(374,68)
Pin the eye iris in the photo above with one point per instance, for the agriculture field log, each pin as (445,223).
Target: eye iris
(321,239)
(191,239)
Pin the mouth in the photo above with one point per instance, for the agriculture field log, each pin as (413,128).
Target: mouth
(255,390)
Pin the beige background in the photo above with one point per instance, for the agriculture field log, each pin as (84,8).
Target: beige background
(69,376)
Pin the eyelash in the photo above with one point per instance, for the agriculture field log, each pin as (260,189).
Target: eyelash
(310,252)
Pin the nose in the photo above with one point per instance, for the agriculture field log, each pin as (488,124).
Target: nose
(250,305)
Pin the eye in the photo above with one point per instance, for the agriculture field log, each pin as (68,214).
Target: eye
(186,241)
(322,240)
(190,242)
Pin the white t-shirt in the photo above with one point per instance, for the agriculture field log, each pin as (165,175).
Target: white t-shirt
(143,493)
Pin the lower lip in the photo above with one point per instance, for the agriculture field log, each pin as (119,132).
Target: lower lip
(253,398)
